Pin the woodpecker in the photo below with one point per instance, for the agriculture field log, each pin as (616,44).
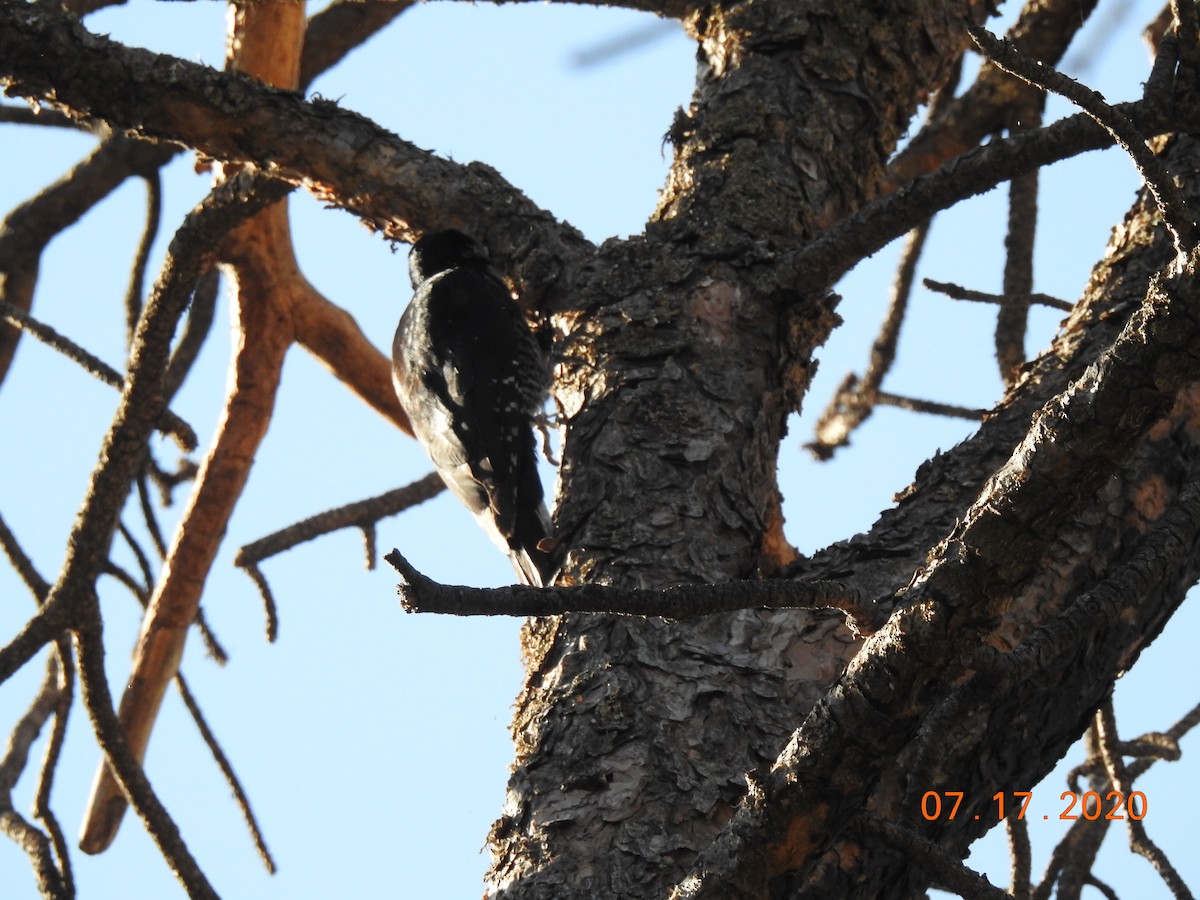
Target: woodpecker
(471,377)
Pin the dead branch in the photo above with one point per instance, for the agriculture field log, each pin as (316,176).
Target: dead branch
(239,793)
(1072,859)
(1124,132)
(169,422)
(58,734)
(29,228)
(883,220)
(38,846)
(137,275)
(1118,776)
(419,594)
(932,407)
(353,515)
(957,292)
(362,514)
(124,767)
(1021,855)
(1012,319)
(855,400)
(1043,31)
(265,41)
(343,158)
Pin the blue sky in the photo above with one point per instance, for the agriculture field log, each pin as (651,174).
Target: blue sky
(374,745)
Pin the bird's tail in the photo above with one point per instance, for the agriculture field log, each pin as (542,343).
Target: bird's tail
(534,560)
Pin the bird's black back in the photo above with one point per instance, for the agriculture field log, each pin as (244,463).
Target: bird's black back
(471,377)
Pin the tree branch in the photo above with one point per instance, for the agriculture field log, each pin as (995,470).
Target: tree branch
(681,601)
(1167,194)
(37,845)
(170,423)
(343,158)
(881,221)
(957,292)
(1043,31)
(123,448)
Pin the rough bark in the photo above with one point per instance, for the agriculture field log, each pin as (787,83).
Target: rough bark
(633,736)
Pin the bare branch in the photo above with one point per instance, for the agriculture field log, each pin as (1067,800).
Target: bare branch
(137,276)
(932,407)
(29,228)
(881,221)
(682,601)
(332,152)
(120,761)
(1013,318)
(956,292)
(170,423)
(37,585)
(36,844)
(352,515)
(1167,194)
(1043,31)
(1139,840)
(1021,854)
(235,784)
(855,401)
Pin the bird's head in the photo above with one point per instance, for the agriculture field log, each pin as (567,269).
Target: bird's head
(442,250)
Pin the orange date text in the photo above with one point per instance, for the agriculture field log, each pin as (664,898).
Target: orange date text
(944,805)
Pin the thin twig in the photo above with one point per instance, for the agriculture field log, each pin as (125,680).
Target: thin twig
(351,515)
(149,516)
(170,423)
(932,407)
(142,560)
(36,844)
(137,276)
(196,329)
(1043,30)
(239,793)
(58,735)
(37,585)
(957,292)
(361,514)
(855,400)
(121,762)
(1012,320)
